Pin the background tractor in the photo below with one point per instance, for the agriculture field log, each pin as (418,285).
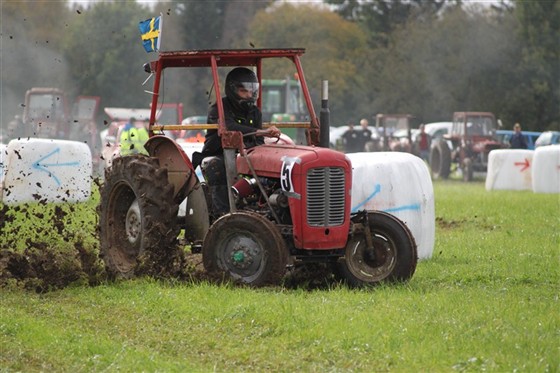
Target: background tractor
(394,133)
(48,113)
(289,204)
(466,147)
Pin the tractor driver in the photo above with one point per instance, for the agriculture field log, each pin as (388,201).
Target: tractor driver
(241,114)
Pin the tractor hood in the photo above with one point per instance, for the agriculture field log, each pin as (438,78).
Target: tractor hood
(485,145)
(268,160)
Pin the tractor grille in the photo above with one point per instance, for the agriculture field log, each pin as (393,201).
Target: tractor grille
(325,196)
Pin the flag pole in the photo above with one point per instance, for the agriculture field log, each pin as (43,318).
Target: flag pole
(160,31)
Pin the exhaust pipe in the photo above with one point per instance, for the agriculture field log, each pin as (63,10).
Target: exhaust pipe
(324,116)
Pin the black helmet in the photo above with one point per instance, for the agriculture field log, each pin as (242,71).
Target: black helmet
(242,78)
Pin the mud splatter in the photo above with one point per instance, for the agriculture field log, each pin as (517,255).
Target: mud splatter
(45,247)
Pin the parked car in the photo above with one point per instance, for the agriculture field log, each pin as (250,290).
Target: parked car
(335,137)
(504,136)
(436,130)
(548,138)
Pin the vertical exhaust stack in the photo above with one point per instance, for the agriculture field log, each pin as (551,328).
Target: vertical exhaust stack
(324,116)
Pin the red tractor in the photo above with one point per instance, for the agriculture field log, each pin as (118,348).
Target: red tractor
(466,147)
(289,204)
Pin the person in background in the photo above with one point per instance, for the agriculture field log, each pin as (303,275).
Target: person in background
(517,140)
(424,141)
(351,139)
(133,137)
(241,114)
(365,137)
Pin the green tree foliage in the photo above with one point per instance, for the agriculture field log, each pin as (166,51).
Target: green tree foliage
(208,25)
(430,60)
(104,49)
(334,52)
(31,34)
(380,17)
(538,94)
(202,23)
(217,24)
(459,62)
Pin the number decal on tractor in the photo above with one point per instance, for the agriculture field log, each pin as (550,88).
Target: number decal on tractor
(286,176)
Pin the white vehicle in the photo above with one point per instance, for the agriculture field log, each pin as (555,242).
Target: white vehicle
(436,129)
(335,136)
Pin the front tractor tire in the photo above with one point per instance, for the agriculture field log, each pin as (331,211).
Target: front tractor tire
(138,220)
(392,259)
(245,248)
(440,160)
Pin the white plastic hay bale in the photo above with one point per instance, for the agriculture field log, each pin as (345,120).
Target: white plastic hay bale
(47,170)
(509,169)
(546,169)
(400,184)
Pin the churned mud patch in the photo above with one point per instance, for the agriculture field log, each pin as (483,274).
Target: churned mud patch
(45,247)
(311,276)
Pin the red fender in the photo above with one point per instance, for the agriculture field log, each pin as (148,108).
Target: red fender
(180,171)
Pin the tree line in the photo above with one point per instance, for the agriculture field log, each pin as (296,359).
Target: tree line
(427,58)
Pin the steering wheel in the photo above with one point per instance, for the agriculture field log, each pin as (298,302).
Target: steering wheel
(263,133)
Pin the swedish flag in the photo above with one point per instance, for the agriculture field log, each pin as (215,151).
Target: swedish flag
(150,30)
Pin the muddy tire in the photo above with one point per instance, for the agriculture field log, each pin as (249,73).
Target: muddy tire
(393,258)
(467,170)
(246,248)
(138,220)
(440,160)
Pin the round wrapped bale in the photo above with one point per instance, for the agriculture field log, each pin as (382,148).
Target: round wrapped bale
(546,169)
(47,170)
(509,169)
(400,184)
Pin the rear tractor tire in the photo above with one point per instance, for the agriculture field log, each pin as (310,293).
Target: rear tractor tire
(393,257)
(138,220)
(440,160)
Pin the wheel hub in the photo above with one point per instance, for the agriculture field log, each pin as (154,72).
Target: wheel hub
(241,257)
(133,222)
(372,263)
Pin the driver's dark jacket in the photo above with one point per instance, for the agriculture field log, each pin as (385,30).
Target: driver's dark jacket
(236,120)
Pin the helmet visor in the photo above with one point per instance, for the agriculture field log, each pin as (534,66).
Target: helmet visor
(247,90)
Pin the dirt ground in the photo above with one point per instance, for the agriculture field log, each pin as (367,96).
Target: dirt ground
(52,256)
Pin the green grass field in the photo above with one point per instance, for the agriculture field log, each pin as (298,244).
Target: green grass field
(488,300)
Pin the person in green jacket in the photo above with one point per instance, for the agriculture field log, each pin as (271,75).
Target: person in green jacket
(133,139)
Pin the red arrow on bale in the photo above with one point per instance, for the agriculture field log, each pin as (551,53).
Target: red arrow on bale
(525,165)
